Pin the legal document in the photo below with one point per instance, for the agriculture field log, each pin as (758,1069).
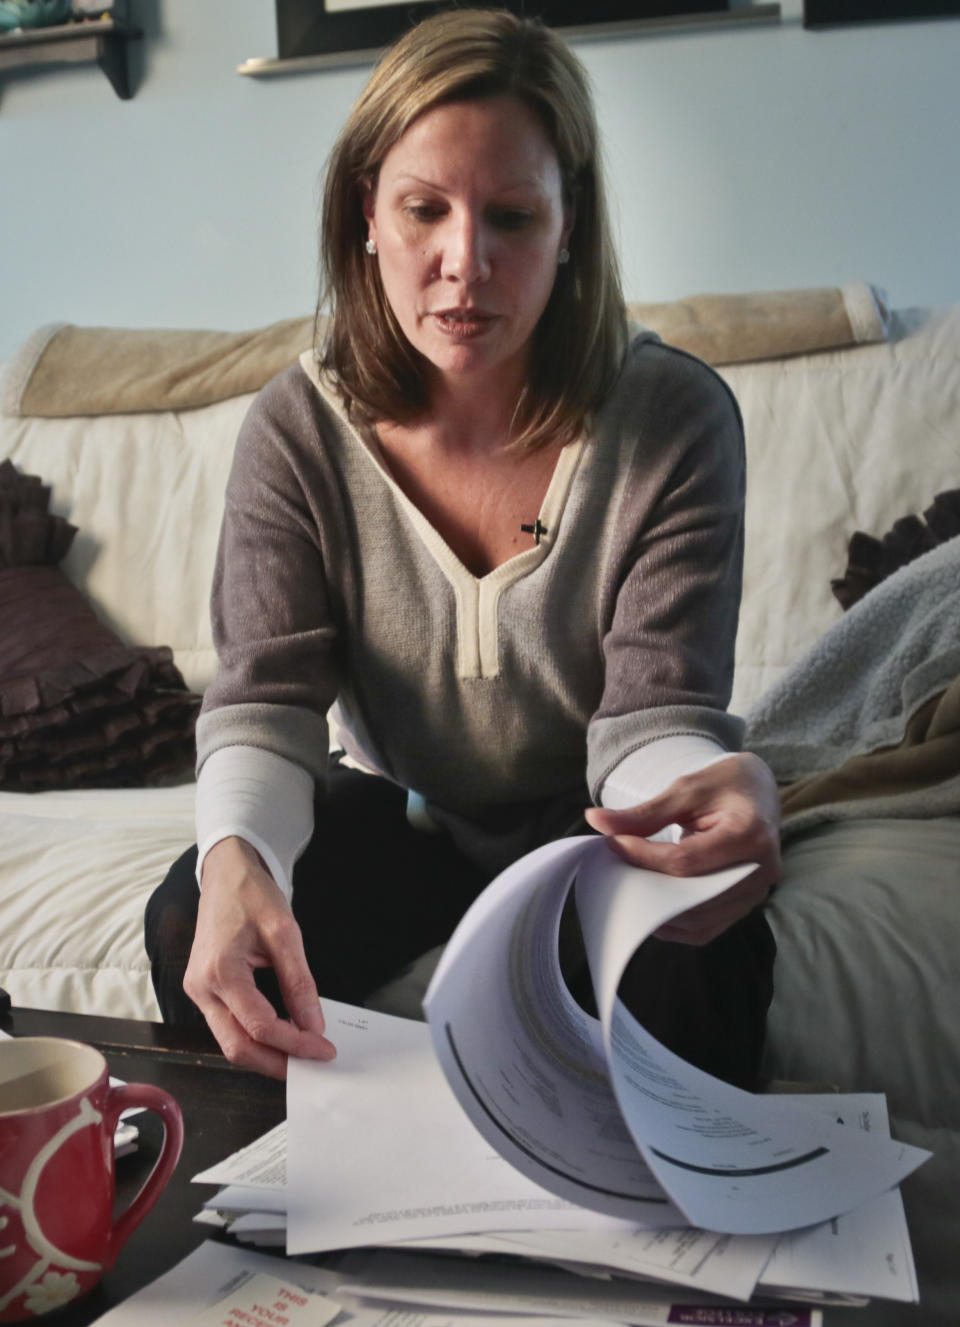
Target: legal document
(384,1152)
(596,1111)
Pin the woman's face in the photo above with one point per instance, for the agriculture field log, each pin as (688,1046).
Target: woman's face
(468,218)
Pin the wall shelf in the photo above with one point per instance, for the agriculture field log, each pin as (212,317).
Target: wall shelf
(101,40)
(265,66)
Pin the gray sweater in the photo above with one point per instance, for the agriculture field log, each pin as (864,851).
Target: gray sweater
(492,697)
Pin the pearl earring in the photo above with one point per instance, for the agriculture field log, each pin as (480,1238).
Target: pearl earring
(563,257)
(371,247)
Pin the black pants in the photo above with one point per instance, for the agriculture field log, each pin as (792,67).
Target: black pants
(371,894)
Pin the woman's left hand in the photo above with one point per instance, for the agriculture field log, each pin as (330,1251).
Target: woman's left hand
(730,813)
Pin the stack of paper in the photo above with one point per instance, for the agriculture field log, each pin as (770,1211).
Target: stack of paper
(386,1157)
(565,1159)
(222,1286)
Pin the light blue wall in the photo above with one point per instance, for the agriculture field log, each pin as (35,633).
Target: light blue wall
(753,159)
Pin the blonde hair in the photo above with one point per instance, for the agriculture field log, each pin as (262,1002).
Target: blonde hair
(578,345)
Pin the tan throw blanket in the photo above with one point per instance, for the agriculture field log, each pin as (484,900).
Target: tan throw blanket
(64,370)
(735,329)
(928,757)
(868,722)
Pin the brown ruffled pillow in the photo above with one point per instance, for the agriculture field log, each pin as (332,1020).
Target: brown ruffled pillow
(78,708)
(871,560)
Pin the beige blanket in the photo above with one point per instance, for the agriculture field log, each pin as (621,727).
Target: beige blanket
(65,370)
(927,757)
(867,723)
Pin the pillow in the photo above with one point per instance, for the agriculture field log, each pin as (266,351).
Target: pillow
(62,370)
(78,707)
(870,560)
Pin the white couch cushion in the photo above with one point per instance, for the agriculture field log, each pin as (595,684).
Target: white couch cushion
(839,441)
(836,441)
(78,868)
(146,492)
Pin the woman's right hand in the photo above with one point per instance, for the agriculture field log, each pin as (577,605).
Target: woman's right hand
(244,922)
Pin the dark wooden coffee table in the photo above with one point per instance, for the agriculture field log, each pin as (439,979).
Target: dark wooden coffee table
(223,1109)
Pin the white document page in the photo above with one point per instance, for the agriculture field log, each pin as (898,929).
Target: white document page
(205,1278)
(384,1152)
(254,1228)
(260,1228)
(242,1198)
(731,1160)
(264,1299)
(720,1264)
(727,1265)
(866,1252)
(595,1110)
(863,1253)
(698,1259)
(483,1287)
(526,1063)
(262,1164)
(213,1272)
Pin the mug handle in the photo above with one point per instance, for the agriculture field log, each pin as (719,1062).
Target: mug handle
(121,1097)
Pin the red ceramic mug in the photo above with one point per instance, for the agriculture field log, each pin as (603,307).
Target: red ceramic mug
(58,1113)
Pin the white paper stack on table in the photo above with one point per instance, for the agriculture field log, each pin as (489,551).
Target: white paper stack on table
(601,1176)
(223,1286)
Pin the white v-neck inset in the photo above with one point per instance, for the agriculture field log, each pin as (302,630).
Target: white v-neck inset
(476,597)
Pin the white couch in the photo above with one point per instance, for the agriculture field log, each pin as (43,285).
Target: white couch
(868,914)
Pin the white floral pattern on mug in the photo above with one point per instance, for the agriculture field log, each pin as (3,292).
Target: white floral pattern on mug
(51,1292)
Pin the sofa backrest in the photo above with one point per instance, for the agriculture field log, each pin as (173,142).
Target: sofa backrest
(836,441)
(146,493)
(839,441)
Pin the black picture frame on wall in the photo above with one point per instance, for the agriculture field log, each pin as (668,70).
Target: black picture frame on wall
(326,27)
(829,13)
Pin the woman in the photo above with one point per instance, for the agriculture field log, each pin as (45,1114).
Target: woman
(507,544)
